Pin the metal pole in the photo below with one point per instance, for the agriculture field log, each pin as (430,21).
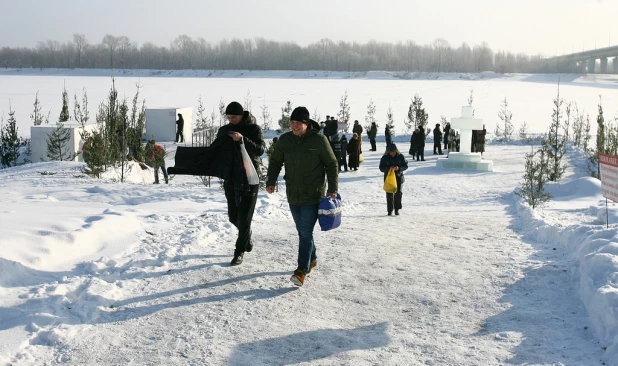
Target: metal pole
(606,213)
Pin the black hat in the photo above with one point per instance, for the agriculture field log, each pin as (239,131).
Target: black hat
(300,114)
(392,147)
(234,109)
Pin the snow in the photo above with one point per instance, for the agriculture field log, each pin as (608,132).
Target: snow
(529,96)
(103,272)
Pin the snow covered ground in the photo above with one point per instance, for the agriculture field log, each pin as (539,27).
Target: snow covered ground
(529,96)
(99,272)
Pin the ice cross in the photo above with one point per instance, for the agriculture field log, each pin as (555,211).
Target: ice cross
(466,124)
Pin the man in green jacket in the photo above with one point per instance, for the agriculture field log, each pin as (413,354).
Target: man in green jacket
(306,155)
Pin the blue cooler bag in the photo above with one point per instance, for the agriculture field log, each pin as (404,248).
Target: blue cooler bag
(329,213)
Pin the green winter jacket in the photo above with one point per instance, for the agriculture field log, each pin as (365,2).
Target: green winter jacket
(307,159)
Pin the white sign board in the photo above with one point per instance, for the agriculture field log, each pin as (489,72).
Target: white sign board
(609,176)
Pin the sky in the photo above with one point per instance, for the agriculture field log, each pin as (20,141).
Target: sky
(547,27)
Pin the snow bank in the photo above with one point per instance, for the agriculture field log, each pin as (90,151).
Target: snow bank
(590,243)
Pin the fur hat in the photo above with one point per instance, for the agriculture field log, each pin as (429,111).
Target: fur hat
(392,148)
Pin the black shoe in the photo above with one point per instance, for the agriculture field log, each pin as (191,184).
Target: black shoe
(390,213)
(397,212)
(237,259)
(249,247)
(155,183)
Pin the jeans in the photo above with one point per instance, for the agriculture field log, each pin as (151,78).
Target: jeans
(156,171)
(305,217)
(241,215)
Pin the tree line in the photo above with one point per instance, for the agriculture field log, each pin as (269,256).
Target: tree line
(184,52)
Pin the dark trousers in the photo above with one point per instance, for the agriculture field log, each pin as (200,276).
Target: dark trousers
(241,215)
(179,136)
(420,153)
(394,199)
(343,161)
(156,171)
(373,144)
(437,145)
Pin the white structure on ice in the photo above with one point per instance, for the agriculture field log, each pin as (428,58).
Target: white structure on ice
(464,159)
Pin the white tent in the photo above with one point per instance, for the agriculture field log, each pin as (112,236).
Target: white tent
(161,123)
(40,134)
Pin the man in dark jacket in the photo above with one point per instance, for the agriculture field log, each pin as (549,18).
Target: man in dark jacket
(388,135)
(437,139)
(447,130)
(343,159)
(372,133)
(307,156)
(393,159)
(242,128)
(180,126)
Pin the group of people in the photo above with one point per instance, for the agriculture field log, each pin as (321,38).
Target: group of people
(313,155)
(311,172)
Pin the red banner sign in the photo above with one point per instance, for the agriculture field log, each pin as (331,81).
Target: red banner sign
(609,176)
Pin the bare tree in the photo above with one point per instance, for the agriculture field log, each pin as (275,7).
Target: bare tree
(112,43)
(80,42)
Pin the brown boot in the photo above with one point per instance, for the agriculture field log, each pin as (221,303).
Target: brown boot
(298,278)
(311,265)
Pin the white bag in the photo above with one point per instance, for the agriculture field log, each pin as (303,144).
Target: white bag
(252,175)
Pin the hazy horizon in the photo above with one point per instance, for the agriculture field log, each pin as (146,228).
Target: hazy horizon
(547,27)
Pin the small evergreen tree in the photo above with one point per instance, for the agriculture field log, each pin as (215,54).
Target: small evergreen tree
(471,98)
(9,141)
(266,118)
(222,116)
(344,110)
(554,144)
(420,117)
(504,131)
(370,117)
(94,156)
(64,111)
(284,122)
(523,132)
(532,189)
(578,127)
(248,101)
(390,121)
(80,110)
(594,167)
(57,142)
(409,121)
(136,127)
(567,121)
(37,113)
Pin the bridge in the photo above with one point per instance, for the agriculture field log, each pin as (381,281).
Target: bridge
(586,61)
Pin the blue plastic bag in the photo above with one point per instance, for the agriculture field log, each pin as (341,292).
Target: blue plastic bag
(329,213)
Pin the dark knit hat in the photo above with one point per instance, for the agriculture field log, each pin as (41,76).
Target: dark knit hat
(300,114)
(392,147)
(234,109)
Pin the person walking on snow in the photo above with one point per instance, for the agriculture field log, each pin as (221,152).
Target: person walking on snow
(242,129)
(437,139)
(180,126)
(393,159)
(155,157)
(307,156)
(372,133)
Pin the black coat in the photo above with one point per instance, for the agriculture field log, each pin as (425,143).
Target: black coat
(180,123)
(252,137)
(389,161)
(353,149)
(437,135)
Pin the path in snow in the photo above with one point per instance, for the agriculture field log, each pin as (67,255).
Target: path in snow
(448,282)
